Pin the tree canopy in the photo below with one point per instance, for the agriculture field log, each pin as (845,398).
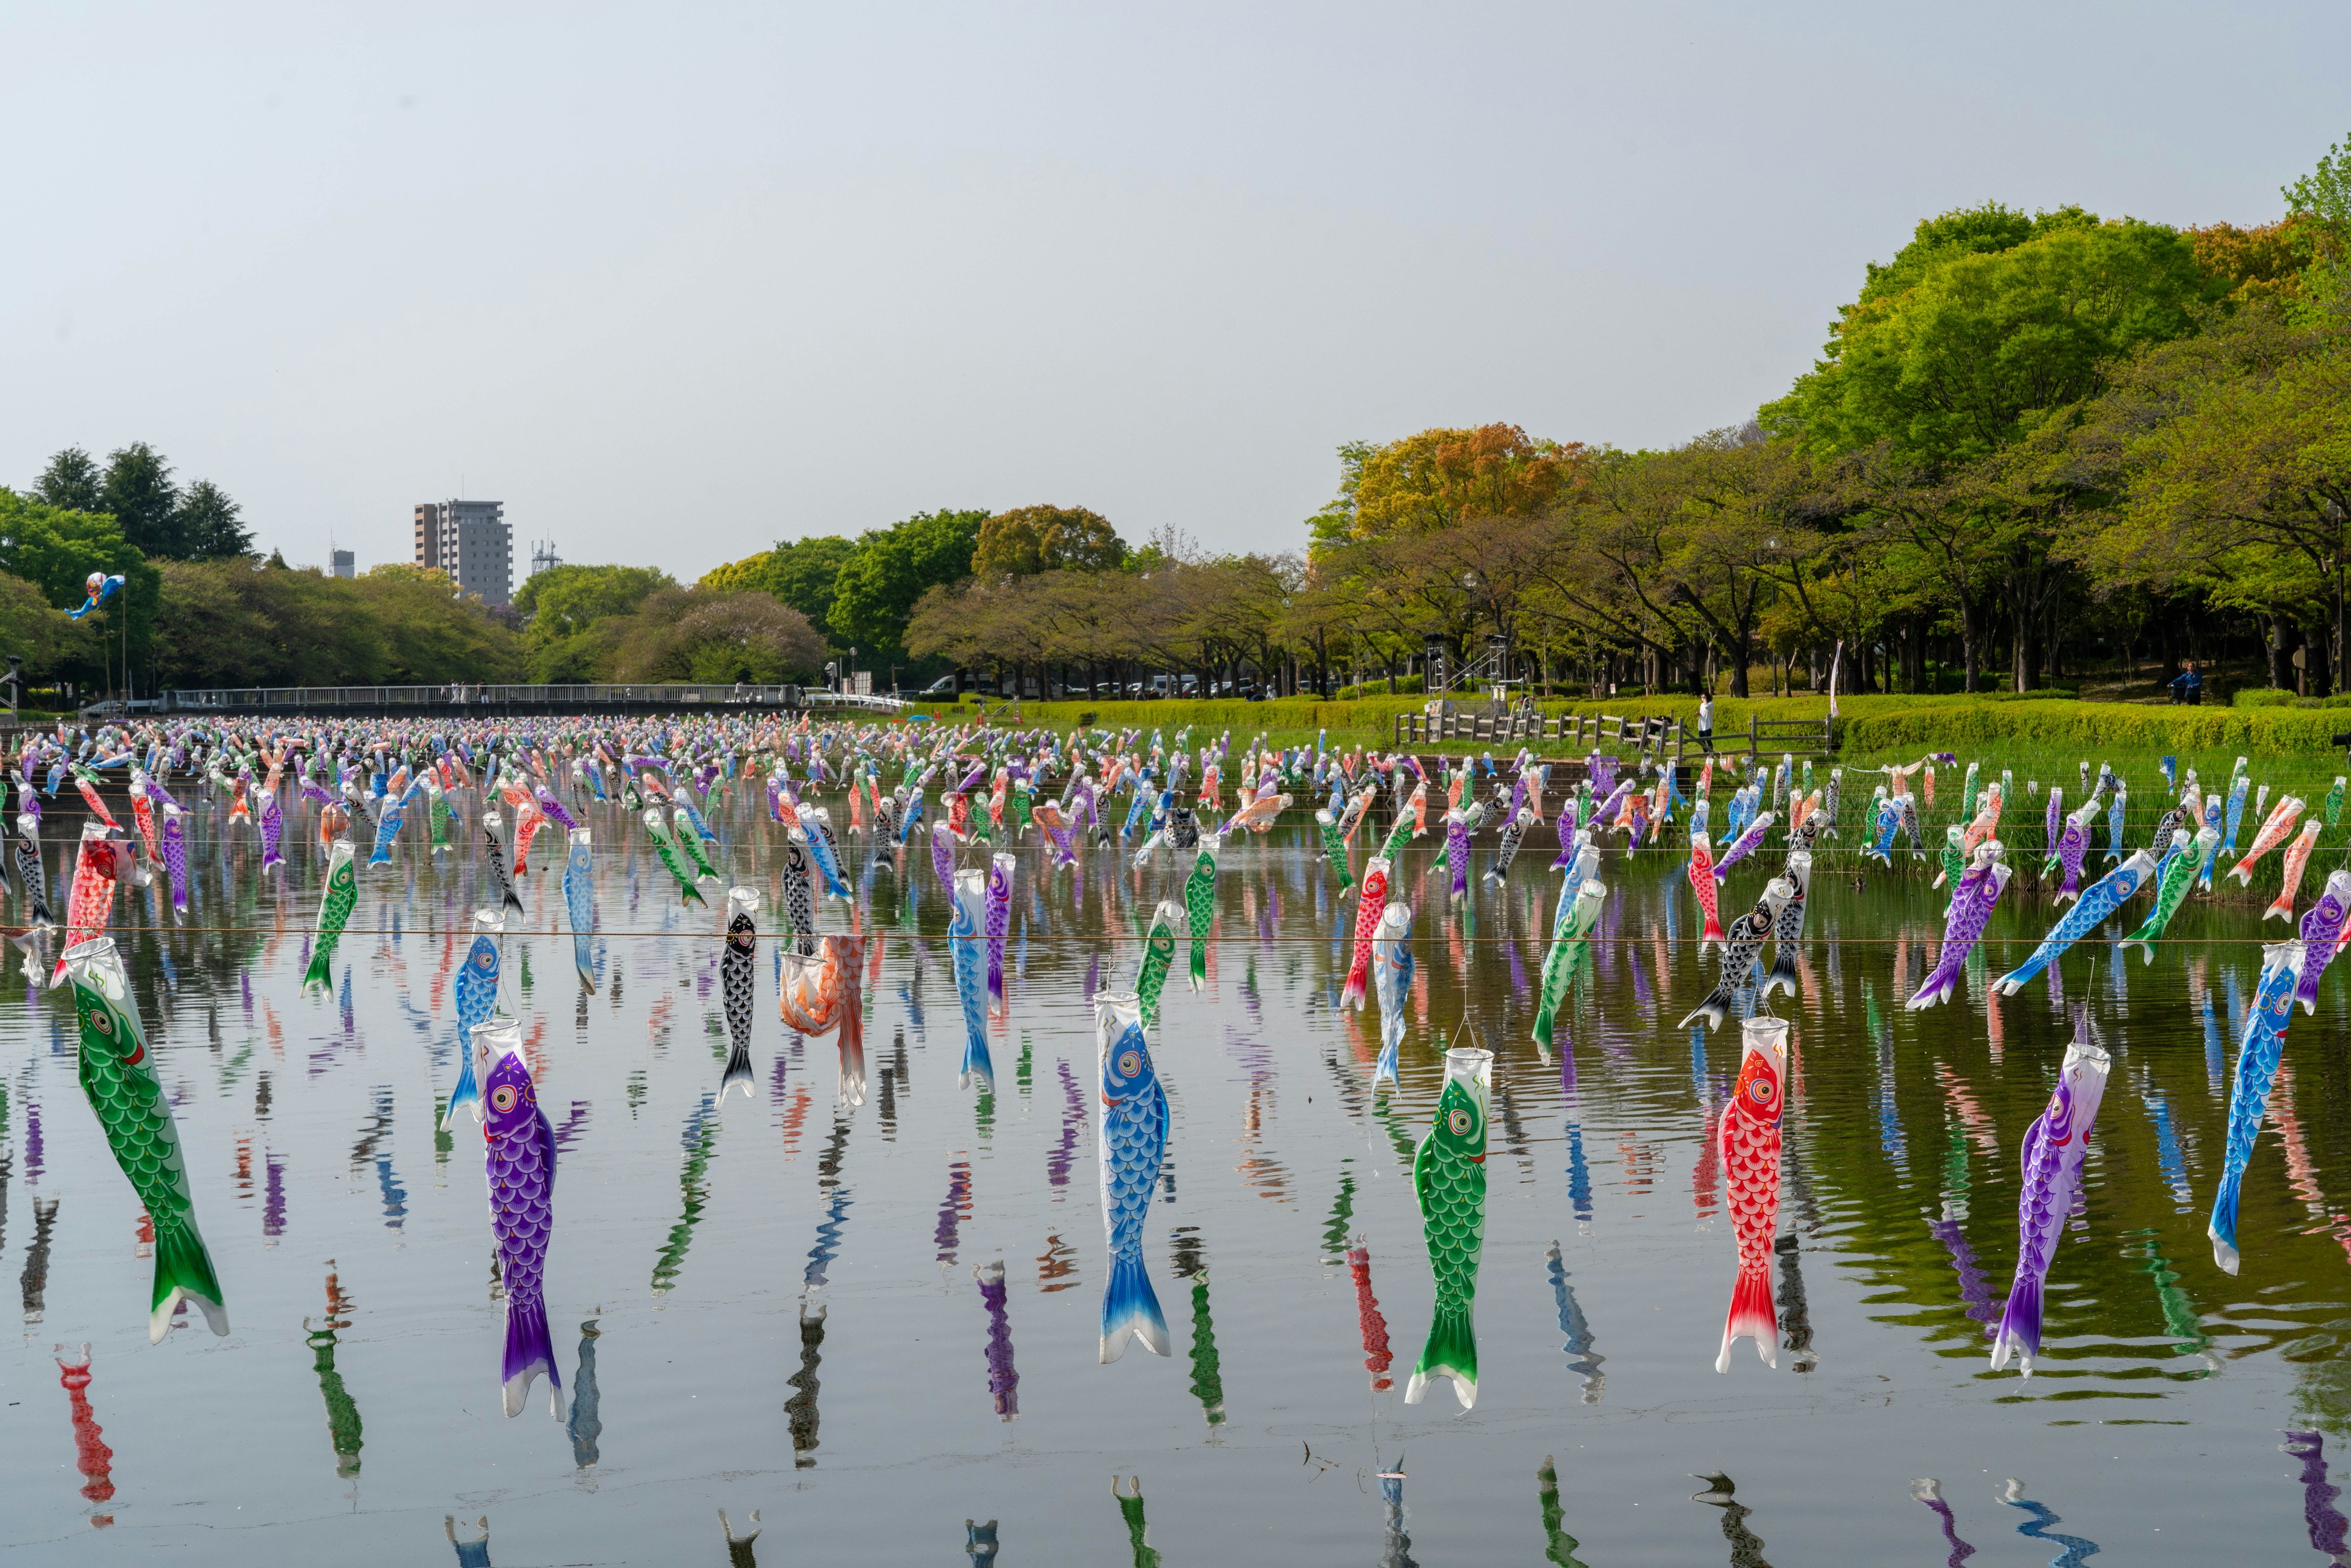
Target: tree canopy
(891,568)
(1031,540)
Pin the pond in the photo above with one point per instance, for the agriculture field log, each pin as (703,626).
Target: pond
(876,1327)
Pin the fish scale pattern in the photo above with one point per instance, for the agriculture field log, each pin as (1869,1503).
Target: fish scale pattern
(1200,908)
(1451,1186)
(1133,1141)
(1368,908)
(1748,1144)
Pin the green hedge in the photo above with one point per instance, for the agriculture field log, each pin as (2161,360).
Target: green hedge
(2090,728)
(2268,696)
(1406,686)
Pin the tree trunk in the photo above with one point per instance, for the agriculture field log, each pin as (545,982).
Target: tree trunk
(1970,635)
(2281,653)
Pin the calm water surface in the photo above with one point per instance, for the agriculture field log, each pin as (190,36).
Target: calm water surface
(777,1303)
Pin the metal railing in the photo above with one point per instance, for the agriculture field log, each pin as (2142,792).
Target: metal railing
(472,698)
(1659,733)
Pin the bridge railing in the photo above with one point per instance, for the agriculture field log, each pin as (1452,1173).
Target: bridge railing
(486,698)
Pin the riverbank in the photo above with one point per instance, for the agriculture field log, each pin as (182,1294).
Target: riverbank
(1867,727)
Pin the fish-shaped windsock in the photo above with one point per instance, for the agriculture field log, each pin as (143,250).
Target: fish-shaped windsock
(1743,846)
(819,822)
(1368,907)
(476,989)
(1132,1140)
(335,906)
(174,837)
(494,844)
(657,828)
(2097,905)
(999,926)
(2249,1094)
(436,813)
(1702,883)
(2115,815)
(1739,951)
(2321,931)
(2273,833)
(1158,957)
(2236,808)
(90,901)
(1513,831)
(818,994)
(2072,849)
(1200,905)
(966,945)
(1392,966)
(32,871)
(1885,820)
(2209,852)
(1580,902)
(519,1157)
(1978,889)
(800,890)
(2335,802)
(1335,848)
(387,826)
(1954,857)
(1788,927)
(943,856)
(2053,1170)
(737,975)
(2170,890)
(1448,1176)
(580,901)
(688,838)
(1747,1141)
(2297,856)
(117,1077)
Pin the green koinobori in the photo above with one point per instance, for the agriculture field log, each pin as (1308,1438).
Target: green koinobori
(1158,957)
(119,1078)
(1448,1173)
(1200,905)
(334,913)
(2171,891)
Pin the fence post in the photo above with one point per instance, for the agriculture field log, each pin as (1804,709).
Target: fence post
(1752,749)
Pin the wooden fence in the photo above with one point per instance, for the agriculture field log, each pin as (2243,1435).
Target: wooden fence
(1659,733)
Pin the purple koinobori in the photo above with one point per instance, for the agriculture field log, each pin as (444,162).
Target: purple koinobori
(2053,1171)
(1971,902)
(519,1154)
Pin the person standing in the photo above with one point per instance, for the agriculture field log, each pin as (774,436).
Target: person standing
(2189,686)
(1705,722)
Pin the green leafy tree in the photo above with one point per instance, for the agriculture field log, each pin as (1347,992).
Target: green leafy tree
(1032,539)
(800,572)
(878,584)
(72,482)
(573,616)
(138,491)
(207,523)
(715,635)
(34,630)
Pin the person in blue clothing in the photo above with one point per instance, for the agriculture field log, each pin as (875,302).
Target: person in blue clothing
(2188,686)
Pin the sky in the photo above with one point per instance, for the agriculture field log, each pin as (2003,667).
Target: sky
(676,283)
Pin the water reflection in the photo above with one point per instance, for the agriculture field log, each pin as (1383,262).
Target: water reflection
(343,1425)
(585,1425)
(92,1457)
(1559,1546)
(2073,1549)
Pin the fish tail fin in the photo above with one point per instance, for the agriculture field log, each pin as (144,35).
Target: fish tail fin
(1783,975)
(1451,1352)
(1385,1071)
(2282,909)
(529,1351)
(1714,1009)
(319,976)
(2222,1228)
(2142,940)
(2020,1325)
(2007,985)
(1753,1315)
(1198,977)
(467,1093)
(2244,872)
(1713,933)
(1130,1309)
(738,1071)
(183,1272)
(380,855)
(512,902)
(977,1064)
(687,893)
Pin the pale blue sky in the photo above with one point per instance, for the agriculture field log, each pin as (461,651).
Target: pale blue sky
(674,282)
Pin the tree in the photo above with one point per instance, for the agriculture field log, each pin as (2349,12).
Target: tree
(571,615)
(1981,345)
(139,492)
(32,629)
(1440,478)
(890,570)
(800,572)
(1030,540)
(207,526)
(72,483)
(712,635)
